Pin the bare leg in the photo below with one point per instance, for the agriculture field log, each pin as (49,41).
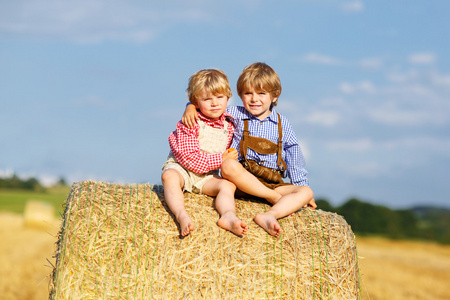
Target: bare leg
(224,190)
(247,182)
(173,184)
(294,198)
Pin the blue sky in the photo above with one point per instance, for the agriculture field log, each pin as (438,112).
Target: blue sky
(91,89)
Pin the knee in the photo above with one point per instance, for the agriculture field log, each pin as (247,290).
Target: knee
(231,186)
(227,185)
(229,168)
(308,192)
(303,193)
(168,175)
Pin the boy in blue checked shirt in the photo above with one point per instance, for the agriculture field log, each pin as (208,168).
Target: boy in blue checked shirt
(268,148)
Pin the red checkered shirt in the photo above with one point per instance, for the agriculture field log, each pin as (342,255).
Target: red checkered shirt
(184,145)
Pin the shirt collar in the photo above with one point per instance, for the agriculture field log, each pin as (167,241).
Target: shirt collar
(220,121)
(272,117)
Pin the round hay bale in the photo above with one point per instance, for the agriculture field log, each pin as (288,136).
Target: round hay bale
(120,242)
(39,214)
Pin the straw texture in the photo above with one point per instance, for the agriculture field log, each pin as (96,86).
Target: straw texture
(120,242)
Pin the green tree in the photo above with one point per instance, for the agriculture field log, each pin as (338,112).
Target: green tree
(323,204)
(366,218)
(62,181)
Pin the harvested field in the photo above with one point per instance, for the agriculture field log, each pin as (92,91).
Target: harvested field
(404,270)
(397,270)
(25,271)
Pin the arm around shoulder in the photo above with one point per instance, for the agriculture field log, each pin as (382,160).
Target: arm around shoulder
(190,116)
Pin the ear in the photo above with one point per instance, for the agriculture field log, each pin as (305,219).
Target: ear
(274,99)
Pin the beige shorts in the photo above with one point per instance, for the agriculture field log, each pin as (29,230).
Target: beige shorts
(193,182)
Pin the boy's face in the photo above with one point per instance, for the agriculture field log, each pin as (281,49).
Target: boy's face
(212,106)
(257,103)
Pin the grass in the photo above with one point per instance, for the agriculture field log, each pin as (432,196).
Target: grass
(15,200)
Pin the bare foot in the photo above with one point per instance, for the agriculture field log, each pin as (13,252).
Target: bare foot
(230,222)
(186,225)
(269,223)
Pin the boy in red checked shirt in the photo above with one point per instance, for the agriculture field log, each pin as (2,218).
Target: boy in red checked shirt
(197,153)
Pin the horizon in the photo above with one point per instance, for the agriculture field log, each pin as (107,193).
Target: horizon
(53,181)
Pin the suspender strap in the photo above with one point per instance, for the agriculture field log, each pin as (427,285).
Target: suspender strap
(243,144)
(247,140)
(280,161)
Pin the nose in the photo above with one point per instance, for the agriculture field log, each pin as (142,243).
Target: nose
(214,102)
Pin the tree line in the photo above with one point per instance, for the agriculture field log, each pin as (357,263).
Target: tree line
(421,222)
(30,184)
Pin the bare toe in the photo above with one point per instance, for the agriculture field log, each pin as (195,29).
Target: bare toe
(269,223)
(186,226)
(231,223)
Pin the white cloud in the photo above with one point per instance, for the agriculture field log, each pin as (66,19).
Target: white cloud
(361,87)
(353,6)
(305,149)
(324,118)
(405,151)
(320,59)
(440,80)
(424,144)
(358,145)
(5,173)
(325,114)
(415,97)
(427,79)
(369,169)
(422,58)
(88,21)
(286,105)
(400,116)
(94,101)
(370,158)
(371,63)
(47,180)
(402,77)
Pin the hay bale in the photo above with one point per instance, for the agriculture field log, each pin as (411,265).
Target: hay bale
(39,214)
(119,242)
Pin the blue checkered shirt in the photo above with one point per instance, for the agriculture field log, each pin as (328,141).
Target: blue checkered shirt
(268,129)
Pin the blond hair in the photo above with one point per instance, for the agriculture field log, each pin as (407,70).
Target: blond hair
(211,80)
(260,77)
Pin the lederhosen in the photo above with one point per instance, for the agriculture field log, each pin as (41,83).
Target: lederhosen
(269,177)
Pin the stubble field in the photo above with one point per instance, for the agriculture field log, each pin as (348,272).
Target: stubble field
(394,270)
